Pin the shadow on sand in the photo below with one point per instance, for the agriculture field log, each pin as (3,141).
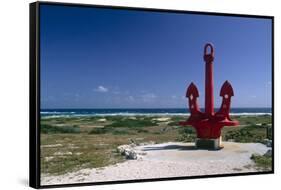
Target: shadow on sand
(178,147)
(170,147)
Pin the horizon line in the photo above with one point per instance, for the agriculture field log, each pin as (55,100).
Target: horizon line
(153,108)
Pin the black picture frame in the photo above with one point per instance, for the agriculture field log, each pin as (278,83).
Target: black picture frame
(34,92)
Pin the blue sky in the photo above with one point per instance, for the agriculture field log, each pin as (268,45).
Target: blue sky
(105,58)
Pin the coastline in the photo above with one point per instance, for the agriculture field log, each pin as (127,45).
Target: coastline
(45,115)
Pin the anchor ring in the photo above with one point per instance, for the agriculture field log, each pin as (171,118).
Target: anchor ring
(209,57)
(211,48)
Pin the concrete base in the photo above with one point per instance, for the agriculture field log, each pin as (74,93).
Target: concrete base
(209,144)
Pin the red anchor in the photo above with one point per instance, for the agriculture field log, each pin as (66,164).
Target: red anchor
(208,125)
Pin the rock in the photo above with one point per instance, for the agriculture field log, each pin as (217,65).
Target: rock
(127,151)
(131,154)
(267,142)
(121,149)
(268,153)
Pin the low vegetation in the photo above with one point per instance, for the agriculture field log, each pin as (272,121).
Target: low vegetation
(133,123)
(72,143)
(250,133)
(50,129)
(98,131)
(263,162)
(187,134)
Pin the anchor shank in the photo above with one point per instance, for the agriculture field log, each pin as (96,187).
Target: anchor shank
(209,81)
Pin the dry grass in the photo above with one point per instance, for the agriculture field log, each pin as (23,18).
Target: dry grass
(88,149)
(94,144)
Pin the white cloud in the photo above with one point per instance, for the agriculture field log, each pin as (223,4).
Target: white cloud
(174,97)
(148,97)
(131,98)
(101,89)
(116,92)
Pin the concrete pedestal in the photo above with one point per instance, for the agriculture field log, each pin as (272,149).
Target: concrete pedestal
(209,144)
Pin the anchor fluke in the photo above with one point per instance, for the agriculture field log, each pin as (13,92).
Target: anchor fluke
(192,94)
(192,90)
(226,89)
(226,93)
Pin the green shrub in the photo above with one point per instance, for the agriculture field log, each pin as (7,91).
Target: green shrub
(98,131)
(132,123)
(49,129)
(252,133)
(142,131)
(263,162)
(187,134)
(174,123)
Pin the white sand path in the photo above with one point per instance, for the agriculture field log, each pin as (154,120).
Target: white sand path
(171,159)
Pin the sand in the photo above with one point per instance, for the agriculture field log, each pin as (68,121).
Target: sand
(172,159)
(162,119)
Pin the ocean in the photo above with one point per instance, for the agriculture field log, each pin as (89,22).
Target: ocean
(149,111)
